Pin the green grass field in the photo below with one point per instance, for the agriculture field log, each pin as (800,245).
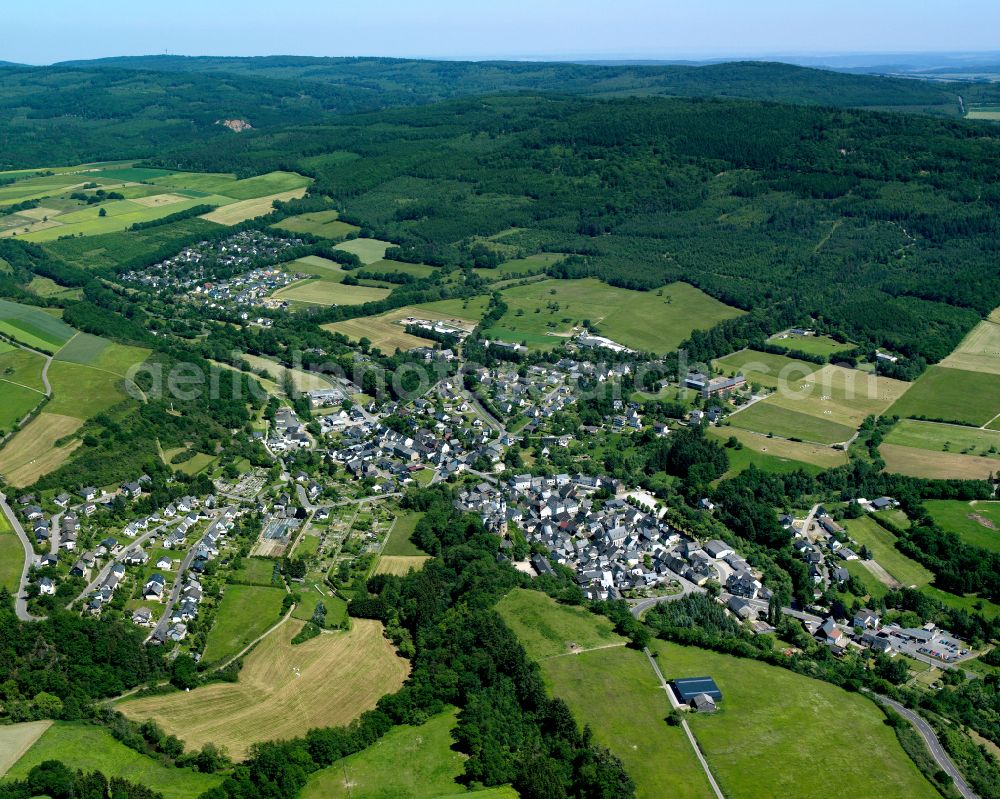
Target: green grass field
(936,465)
(11,557)
(318,267)
(824,346)
(91,747)
(368,250)
(389,267)
(16,402)
(255,571)
(82,391)
(762,743)
(975,523)
(769,418)
(399,542)
(937,437)
(979,351)
(522,266)
(245,613)
(407,763)
(655,321)
(319,223)
(775,454)
(882,545)
(547,629)
(954,395)
(327,292)
(764,368)
(33,327)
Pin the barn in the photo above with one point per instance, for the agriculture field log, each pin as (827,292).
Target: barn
(688,688)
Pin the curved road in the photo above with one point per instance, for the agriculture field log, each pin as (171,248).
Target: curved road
(687,587)
(20,597)
(933,744)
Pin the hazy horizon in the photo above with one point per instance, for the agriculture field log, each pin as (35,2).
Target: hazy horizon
(542,30)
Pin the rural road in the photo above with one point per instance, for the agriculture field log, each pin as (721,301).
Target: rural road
(933,744)
(106,569)
(161,625)
(20,598)
(687,587)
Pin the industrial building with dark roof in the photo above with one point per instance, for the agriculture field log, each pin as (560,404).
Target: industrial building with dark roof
(688,688)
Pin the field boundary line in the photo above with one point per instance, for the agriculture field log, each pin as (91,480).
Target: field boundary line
(15,383)
(258,639)
(583,651)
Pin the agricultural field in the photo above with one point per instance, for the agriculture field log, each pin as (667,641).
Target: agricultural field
(370,251)
(776,454)
(385,332)
(936,465)
(399,542)
(16,739)
(389,267)
(33,452)
(245,613)
(547,629)
(979,350)
(823,346)
(255,571)
(522,266)
(82,391)
(765,368)
(655,321)
(771,419)
(89,747)
(400,564)
(937,437)
(11,560)
(241,211)
(324,224)
(283,690)
(953,395)
(33,327)
(976,523)
(16,402)
(432,768)
(328,292)
(881,543)
(301,379)
(762,742)
(318,267)
(100,353)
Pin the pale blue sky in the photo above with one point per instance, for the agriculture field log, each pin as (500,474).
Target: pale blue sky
(42,31)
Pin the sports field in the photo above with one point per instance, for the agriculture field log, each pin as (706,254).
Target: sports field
(368,250)
(385,332)
(979,350)
(976,523)
(33,451)
(432,768)
(547,629)
(33,327)
(881,543)
(954,395)
(776,454)
(654,321)
(245,612)
(765,368)
(762,742)
(234,213)
(824,346)
(936,465)
(946,438)
(283,690)
(320,223)
(90,747)
(328,292)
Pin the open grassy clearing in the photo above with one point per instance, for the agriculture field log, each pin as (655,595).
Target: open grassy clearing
(318,267)
(979,350)
(385,331)
(976,523)
(522,266)
(301,379)
(769,418)
(82,391)
(954,395)
(824,346)
(11,561)
(32,452)
(765,368)
(326,292)
(776,454)
(655,321)
(46,287)
(16,739)
(32,326)
(245,613)
(881,543)
(936,465)
(937,437)
(400,564)
(399,542)
(762,741)
(16,402)
(320,223)
(89,747)
(283,690)
(547,629)
(228,185)
(368,250)
(256,571)
(390,267)
(22,367)
(432,768)
(234,213)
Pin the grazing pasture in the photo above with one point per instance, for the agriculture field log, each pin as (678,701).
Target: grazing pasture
(90,746)
(324,224)
(952,395)
(881,543)
(655,321)
(936,465)
(246,611)
(951,438)
(16,402)
(82,391)
(241,211)
(764,368)
(762,742)
(327,292)
(33,451)
(33,327)
(547,629)
(776,454)
(369,251)
(283,689)
(976,523)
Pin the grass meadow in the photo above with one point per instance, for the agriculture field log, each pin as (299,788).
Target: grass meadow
(324,224)
(34,450)
(932,465)
(399,542)
(979,350)
(370,251)
(245,613)
(776,454)
(881,543)
(953,395)
(951,438)
(765,368)
(11,557)
(824,346)
(547,629)
(33,327)
(976,523)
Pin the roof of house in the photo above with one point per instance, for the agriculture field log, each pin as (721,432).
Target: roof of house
(688,688)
